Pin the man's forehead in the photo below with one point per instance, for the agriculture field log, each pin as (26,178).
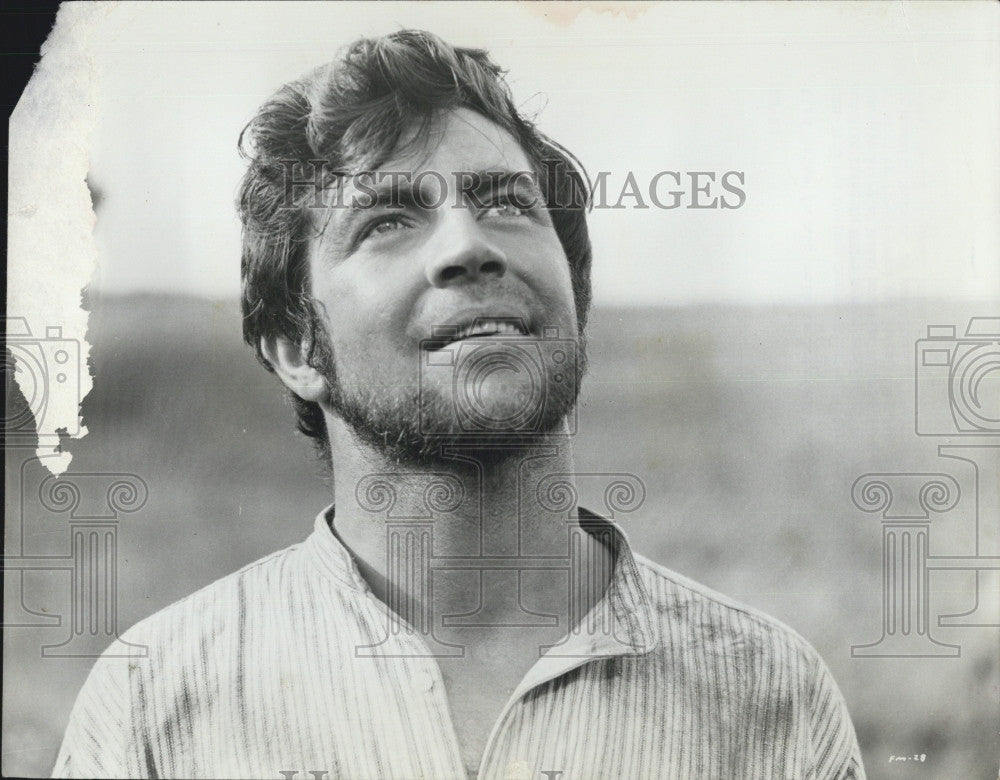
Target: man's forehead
(457,140)
(431,159)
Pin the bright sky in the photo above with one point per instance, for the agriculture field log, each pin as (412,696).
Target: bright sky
(868,135)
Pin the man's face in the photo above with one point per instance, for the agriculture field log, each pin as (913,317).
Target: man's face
(386,278)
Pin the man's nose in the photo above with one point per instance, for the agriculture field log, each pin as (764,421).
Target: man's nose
(462,251)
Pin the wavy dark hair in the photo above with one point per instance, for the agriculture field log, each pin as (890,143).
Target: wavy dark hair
(350,115)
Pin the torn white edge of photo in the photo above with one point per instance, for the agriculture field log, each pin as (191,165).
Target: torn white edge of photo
(50,218)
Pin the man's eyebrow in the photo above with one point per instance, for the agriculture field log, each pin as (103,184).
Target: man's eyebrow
(349,204)
(488,182)
(395,189)
(381,188)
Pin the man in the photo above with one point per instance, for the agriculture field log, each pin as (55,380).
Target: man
(416,272)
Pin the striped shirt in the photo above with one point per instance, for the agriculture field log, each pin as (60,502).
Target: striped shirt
(260,675)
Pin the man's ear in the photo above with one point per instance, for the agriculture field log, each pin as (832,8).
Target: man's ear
(290,364)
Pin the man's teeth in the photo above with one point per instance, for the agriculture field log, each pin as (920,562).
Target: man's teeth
(491,328)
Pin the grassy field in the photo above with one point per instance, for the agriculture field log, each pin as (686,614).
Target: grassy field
(747,426)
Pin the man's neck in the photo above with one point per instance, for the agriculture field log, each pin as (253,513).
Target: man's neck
(509,507)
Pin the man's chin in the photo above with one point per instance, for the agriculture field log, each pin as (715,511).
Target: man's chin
(487,450)
(488,420)
(425,433)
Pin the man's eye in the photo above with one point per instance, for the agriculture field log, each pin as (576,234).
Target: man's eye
(382,225)
(505,209)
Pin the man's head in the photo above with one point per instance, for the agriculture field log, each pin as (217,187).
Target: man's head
(405,102)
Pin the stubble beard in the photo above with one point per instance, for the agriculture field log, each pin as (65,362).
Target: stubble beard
(391,425)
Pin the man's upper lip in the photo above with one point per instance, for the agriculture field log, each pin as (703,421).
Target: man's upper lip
(478,323)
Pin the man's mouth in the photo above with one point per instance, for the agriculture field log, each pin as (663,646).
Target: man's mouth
(480,327)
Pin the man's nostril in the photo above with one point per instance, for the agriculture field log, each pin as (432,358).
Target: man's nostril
(491,267)
(452,271)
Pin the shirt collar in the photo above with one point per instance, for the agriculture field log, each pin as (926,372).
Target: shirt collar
(622,623)
(624,618)
(331,556)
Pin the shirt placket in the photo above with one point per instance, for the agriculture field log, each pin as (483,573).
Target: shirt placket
(616,626)
(622,614)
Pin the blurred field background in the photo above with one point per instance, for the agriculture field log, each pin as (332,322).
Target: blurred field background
(748,426)
(868,136)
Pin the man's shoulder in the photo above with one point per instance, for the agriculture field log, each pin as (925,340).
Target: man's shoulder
(696,615)
(763,670)
(219,604)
